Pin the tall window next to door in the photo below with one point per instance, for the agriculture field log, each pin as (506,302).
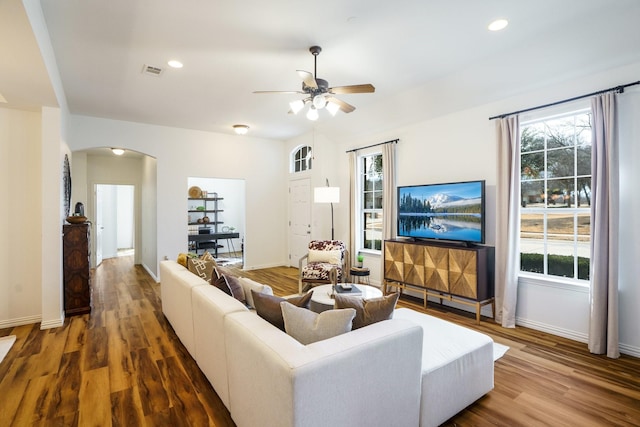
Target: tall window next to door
(555,185)
(370,227)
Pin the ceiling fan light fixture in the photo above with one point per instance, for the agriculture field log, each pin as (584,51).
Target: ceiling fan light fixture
(241,129)
(296,106)
(312,114)
(332,108)
(319,101)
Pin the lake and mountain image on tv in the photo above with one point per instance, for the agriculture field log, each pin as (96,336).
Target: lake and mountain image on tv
(442,211)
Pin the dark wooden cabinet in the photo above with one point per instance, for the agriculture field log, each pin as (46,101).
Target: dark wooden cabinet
(77,278)
(444,271)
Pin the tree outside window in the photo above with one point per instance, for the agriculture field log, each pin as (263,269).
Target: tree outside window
(555,179)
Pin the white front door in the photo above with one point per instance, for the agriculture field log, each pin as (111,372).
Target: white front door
(300,224)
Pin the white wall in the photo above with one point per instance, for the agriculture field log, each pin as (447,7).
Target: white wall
(461,146)
(149,217)
(182,153)
(20,217)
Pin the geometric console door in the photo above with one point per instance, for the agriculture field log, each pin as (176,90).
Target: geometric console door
(445,271)
(77,279)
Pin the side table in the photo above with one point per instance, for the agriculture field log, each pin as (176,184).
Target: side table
(360,272)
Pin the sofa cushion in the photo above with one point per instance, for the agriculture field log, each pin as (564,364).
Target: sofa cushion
(368,311)
(201,268)
(268,306)
(234,285)
(250,285)
(308,327)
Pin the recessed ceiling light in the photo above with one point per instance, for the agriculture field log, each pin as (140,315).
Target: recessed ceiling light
(241,129)
(175,64)
(498,24)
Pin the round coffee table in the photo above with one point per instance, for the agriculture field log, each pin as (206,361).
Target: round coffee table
(321,299)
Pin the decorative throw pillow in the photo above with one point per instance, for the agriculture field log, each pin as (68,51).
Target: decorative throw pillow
(182,260)
(250,285)
(220,271)
(332,257)
(268,306)
(221,284)
(308,327)
(237,291)
(369,311)
(206,256)
(201,268)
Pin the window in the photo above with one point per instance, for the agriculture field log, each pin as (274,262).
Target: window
(370,227)
(301,159)
(555,186)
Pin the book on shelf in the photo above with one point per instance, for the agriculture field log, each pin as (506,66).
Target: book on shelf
(352,291)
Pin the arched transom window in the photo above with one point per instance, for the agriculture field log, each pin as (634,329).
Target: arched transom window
(301,159)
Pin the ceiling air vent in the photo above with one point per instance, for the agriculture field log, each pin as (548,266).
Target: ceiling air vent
(151,70)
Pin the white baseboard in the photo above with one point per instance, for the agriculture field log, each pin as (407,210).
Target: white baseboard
(155,278)
(630,350)
(53,323)
(553,330)
(19,321)
(258,267)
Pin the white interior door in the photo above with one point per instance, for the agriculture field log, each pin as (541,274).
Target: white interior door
(106,221)
(300,214)
(98,230)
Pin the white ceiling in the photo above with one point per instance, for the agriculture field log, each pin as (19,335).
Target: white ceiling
(424,57)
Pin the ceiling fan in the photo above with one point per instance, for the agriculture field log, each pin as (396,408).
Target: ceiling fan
(318,93)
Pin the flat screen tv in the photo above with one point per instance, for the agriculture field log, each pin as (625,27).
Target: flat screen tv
(453,211)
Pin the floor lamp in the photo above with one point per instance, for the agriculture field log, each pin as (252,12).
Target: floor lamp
(327,195)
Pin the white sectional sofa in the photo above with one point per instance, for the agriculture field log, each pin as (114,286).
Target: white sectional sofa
(385,374)
(368,377)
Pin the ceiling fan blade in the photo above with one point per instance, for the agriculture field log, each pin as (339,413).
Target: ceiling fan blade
(366,88)
(307,78)
(278,91)
(347,108)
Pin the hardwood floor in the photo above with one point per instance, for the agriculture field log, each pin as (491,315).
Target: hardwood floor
(124,365)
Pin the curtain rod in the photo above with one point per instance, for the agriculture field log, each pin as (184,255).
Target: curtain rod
(374,145)
(619,89)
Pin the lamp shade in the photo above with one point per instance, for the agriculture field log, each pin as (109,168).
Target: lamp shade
(326,194)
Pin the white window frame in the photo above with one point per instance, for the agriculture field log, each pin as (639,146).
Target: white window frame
(306,161)
(542,278)
(362,210)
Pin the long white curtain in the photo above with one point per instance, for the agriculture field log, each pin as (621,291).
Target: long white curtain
(388,189)
(353,193)
(603,320)
(507,222)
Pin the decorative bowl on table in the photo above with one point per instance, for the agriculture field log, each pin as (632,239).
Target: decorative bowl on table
(76,219)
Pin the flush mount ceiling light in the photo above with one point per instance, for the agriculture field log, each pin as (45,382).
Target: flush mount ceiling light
(318,93)
(498,24)
(175,64)
(117,151)
(241,129)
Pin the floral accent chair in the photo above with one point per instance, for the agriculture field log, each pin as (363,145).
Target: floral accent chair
(326,262)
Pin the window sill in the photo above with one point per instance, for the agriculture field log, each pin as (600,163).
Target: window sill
(581,286)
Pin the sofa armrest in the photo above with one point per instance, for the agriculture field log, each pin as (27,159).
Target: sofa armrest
(370,376)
